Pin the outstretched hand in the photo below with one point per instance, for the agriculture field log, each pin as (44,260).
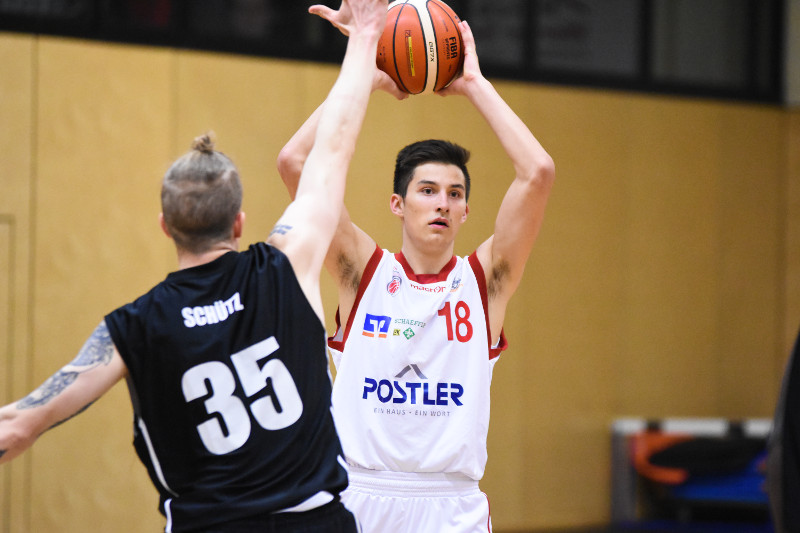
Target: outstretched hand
(344,19)
(340,19)
(354,14)
(471,71)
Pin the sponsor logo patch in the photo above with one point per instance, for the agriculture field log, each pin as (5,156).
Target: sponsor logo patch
(394,285)
(411,387)
(376,325)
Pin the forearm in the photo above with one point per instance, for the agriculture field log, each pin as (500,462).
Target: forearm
(21,425)
(17,433)
(339,123)
(530,159)
(292,157)
(519,218)
(63,395)
(342,113)
(317,207)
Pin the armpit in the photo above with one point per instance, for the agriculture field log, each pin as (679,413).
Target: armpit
(498,276)
(349,275)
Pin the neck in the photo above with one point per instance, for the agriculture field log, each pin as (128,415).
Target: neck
(188,259)
(427,263)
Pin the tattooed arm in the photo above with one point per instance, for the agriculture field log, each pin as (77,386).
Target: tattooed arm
(65,394)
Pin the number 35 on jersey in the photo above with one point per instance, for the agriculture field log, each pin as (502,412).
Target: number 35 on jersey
(214,381)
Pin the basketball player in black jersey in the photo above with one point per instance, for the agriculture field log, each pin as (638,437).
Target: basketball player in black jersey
(226,358)
(783,464)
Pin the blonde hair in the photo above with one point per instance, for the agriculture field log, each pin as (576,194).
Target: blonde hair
(201,194)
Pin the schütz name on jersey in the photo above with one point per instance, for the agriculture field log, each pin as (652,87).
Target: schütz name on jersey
(203,315)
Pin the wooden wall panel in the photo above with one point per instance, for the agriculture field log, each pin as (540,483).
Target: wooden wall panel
(17,56)
(750,264)
(638,299)
(104,119)
(661,284)
(252,105)
(791,272)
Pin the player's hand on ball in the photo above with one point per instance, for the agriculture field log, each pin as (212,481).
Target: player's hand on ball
(472,69)
(421,47)
(384,82)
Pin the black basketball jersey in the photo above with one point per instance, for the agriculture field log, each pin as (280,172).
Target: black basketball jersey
(783,465)
(231,391)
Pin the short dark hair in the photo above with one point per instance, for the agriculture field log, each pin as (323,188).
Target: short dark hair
(201,194)
(430,151)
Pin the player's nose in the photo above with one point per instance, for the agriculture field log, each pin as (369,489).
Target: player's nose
(443,201)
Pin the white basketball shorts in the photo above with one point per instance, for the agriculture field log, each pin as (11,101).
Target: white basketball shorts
(400,502)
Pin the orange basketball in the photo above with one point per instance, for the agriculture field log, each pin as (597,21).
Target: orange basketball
(421,46)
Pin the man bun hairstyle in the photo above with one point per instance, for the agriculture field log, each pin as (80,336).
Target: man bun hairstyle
(201,194)
(204,143)
(429,151)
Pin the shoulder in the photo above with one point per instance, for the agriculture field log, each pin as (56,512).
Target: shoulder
(475,265)
(380,258)
(262,257)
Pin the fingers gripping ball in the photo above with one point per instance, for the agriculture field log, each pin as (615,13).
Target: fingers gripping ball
(421,47)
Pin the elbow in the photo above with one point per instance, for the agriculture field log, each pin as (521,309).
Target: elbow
(543,173)
(290,165)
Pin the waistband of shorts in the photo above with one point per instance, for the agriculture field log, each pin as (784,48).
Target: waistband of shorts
(417,483)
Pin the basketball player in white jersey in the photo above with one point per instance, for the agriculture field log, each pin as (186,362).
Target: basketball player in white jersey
(226,358)
(420,330)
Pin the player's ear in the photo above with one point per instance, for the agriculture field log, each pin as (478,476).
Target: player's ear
(238,225)
(464,216)
(396,204)
(163,225)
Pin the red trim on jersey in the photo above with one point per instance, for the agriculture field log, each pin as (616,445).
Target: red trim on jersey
(366,277)
(480,275)
(425,278)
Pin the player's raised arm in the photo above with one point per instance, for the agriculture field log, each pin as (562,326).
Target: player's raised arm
(306,228)
(65,394)
(520,216)
(351,247)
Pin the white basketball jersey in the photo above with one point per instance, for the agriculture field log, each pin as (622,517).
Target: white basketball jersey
(414,368)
